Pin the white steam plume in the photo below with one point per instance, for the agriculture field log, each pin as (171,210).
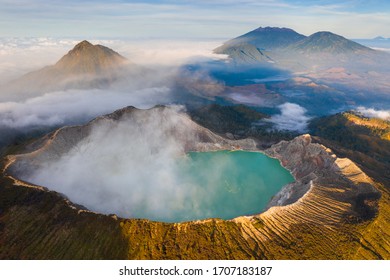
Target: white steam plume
(131,168)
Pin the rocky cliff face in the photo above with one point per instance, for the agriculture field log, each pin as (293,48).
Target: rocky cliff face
(329,212)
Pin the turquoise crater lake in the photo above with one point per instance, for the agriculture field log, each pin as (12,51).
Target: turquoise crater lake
(232,183)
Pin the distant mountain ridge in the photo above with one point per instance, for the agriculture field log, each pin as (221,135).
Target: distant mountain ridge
(268,38)
(255,45)
(328,42)
(272,43)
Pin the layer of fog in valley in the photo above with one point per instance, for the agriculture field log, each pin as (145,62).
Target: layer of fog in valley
(22,55)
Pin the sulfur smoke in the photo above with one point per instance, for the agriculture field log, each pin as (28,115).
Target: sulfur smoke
(131,168)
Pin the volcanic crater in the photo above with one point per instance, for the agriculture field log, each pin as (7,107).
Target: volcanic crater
(324,207)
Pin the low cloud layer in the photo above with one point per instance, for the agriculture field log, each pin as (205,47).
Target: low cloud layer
(169,52)
(59,108)
(292,117)
(21,55)
(373,113)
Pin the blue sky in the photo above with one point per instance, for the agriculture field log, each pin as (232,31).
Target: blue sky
(190,19)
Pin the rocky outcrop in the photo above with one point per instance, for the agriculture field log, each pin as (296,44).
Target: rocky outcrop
(312,164)
(325,214)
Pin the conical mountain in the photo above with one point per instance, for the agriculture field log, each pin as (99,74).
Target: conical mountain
(256,45)
(266,38)
(86,66)
(87,58)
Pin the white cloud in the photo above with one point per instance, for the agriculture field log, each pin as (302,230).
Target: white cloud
(58,108)
(168,52)
(292,117)
(21,55)
(381,49)
(372,113)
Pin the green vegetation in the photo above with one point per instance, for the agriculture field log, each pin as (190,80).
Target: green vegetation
(364,140)
(13,139)
(37,224)
(238,122)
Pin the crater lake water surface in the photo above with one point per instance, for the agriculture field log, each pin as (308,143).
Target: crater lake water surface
(237,183)
(166,187)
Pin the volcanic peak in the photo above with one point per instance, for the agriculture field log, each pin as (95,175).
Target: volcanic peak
(325,41)
(268,38)
(89,59)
